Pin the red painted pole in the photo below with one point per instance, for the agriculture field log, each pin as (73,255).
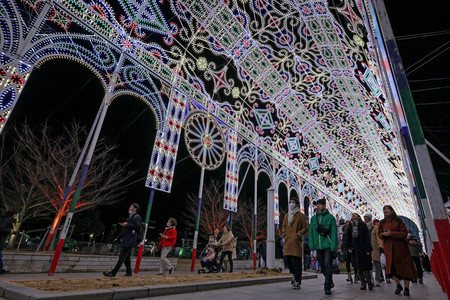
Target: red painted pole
(77,192)
(197,222)
(147,219)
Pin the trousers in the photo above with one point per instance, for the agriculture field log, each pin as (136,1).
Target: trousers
(324,257)
(124,257)
(294,264)
(164,263)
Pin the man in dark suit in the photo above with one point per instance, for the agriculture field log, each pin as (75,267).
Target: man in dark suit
(128,240)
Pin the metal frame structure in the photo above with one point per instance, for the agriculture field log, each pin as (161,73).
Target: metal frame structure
(299,88)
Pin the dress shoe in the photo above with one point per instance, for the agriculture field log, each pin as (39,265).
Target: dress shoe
(171,271)
(406,291)
(109,274)
(398,289)
(327,292)
(128,275)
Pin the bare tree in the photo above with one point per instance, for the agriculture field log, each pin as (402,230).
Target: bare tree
(243,223)
(35,174)
(212,214)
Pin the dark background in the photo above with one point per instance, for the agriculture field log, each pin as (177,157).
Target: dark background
(62,91)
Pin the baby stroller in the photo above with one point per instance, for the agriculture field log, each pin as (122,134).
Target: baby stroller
(213,266)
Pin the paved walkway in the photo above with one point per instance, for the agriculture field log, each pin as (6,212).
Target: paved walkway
(312,289)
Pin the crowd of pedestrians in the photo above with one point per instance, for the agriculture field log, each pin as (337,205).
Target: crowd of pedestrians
(362,243)
(365,245)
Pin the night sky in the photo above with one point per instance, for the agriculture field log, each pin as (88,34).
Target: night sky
(426,61)
(63,91)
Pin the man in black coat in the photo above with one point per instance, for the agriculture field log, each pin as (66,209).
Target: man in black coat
(6,228)
(128,240)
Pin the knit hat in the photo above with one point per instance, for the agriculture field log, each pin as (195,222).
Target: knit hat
(369,215)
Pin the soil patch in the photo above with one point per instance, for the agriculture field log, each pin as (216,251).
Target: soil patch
(71,285)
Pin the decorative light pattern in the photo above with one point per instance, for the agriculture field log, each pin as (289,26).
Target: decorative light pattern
(204,140)
(297,84)
(165,150)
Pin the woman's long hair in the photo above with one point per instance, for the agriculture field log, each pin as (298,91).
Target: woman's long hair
(393,214)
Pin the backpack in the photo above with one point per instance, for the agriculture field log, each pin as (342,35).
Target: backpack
(141,233)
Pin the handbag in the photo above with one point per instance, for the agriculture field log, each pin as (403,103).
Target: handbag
(322,230)
(382,259)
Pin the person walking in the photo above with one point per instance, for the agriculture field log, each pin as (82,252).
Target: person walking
(376,223)
(358,244)
(323,238)
(128,240)
(415,248)
(6,228)
(227,243)
(294,228)
(347,255)
(375,242)
(399,264)
(168,240)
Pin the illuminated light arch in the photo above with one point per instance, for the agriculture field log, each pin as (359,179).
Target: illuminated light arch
(309,97)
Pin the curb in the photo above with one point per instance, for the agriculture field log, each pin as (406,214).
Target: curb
(10,291)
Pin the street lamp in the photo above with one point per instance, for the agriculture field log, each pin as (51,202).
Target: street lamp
(90,239)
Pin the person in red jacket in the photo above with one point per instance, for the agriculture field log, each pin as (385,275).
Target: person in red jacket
(168,239)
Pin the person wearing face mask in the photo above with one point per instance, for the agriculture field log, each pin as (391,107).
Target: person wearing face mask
(6,228)
(324,239)
(168,240)
(128,240)
(294,228)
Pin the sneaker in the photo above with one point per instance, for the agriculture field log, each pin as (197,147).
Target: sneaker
(420,280)
(109,274)
(388,280)
(160,274)
(377,284)
(363,288)
(327,292)
(370,287)
(406,291)
(3,271)
(296,285)
(171,271)
(128,275)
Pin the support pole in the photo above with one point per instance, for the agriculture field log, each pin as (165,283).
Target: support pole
(61,210)
(146,221)
(197,221)
(270,254)
(230,222)
(77,192)
(255,219)
(423,171)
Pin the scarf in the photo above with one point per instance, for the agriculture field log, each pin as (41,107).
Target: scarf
(355,229)
(291,215)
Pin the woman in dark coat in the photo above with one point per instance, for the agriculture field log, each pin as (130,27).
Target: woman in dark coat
(358,244)
(399,264)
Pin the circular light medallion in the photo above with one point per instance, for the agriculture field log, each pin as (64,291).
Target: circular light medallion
(204,140)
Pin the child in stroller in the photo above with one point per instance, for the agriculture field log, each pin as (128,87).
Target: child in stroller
(211,255)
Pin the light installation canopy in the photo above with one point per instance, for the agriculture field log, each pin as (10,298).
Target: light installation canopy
(300,80)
